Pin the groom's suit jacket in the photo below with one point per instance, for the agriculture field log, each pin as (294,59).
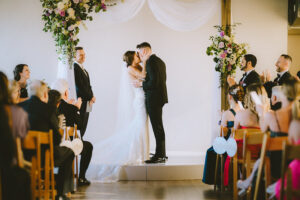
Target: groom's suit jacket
(155,82)
(83,85)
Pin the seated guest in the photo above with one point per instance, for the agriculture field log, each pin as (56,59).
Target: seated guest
(250,76)
(40,119)
(22,74)
(235,95)
(248,118)
(72,115)
(294,138)
(282,68)
(20,123)
(278,123)
(53,102)
(12,177)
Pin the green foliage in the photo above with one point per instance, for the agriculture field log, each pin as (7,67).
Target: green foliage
(63,17)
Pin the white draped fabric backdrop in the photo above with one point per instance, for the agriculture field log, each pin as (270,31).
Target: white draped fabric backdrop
(179,15)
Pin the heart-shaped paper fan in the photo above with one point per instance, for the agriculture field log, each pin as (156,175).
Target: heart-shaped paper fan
(219,145)
(231,147)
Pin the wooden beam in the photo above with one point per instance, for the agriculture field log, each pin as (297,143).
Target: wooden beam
(226,20)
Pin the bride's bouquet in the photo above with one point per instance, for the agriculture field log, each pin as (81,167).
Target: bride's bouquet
(226,51)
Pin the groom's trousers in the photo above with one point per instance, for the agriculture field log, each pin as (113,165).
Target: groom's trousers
(155,115)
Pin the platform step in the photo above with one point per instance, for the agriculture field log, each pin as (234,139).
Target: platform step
(179,168)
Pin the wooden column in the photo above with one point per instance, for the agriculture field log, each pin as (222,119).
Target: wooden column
(226,20)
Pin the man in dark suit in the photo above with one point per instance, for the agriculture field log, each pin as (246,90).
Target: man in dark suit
(83,88)
(40,117)
(156,96)
(250,76)
(282,68)
(72,116)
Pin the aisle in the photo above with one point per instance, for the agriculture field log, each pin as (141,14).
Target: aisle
(151,190)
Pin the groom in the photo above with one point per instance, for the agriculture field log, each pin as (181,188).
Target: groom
(156,96)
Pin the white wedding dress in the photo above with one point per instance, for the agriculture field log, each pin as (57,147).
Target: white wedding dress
(130,144)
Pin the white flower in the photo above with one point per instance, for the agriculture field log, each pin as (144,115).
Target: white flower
(66,2)
(71,13)
(226,37)
(71,28)
(61,6)
(65,32)
(86,6)
(76,1)
(74,37)
(231,61)
(229,50)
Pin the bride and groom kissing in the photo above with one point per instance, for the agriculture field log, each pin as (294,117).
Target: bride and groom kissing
(143,93)
(150,79)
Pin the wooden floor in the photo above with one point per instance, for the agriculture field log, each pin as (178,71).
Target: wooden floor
(133,190)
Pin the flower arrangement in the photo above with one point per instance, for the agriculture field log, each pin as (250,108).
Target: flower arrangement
(226,51)
(63,17)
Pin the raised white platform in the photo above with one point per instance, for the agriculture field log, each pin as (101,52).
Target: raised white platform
(176,168)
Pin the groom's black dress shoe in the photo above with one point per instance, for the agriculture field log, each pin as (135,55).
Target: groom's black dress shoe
(156,159)
(83,181)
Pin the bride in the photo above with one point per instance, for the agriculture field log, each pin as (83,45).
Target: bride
(130,142)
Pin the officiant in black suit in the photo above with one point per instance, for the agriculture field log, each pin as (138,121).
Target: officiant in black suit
(156,95)
(250,76)
(83,88)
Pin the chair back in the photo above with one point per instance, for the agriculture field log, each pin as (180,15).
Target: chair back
(290,152)
(269,144)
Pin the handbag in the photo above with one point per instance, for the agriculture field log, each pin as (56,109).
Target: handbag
(76,145)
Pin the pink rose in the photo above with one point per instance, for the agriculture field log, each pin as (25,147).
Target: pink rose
(62,13)
(223,55)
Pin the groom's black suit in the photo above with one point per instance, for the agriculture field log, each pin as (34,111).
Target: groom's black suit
(83,90)
(156,96)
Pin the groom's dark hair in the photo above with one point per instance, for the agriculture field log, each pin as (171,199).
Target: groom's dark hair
(251,58)
(143,45)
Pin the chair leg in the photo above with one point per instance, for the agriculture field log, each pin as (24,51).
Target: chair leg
(77,172)
(235,177)
(222,173)
(47,174)
(216,172)
(33,178)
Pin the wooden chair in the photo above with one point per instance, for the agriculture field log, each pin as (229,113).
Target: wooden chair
(290,152)
(250,137)
(33,141)
(220,157)
(269,144)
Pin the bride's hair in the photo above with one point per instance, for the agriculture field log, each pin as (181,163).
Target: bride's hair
(128,57)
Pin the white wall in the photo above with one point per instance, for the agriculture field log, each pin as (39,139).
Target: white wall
(293,50)
(190,117)
(264,28)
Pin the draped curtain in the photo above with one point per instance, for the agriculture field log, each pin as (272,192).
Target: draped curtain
(179,15)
